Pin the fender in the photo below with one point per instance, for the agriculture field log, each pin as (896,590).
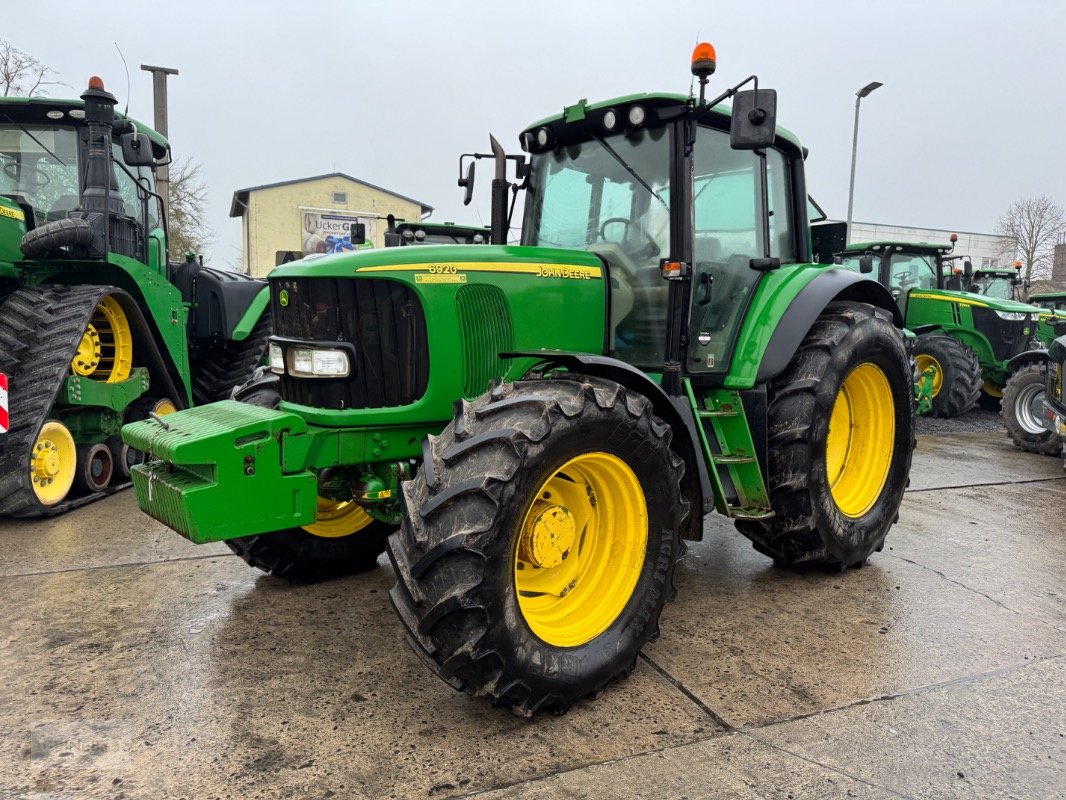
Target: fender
(675,411)
(1035,356)
(834,284)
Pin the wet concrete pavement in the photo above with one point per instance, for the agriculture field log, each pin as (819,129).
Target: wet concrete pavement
(136,665)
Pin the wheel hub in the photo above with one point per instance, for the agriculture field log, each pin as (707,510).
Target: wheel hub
(87,357)
(46,461)
(548,537)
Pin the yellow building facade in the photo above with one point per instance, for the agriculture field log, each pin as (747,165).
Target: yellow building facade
(282,221)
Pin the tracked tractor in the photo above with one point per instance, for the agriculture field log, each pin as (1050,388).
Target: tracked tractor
(96,328)
(538,428)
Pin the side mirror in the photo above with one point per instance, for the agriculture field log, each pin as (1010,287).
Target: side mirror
(967,268)
(468,184)
(137,150)
(754,120)
(827,240)
(357,233)
(866,264)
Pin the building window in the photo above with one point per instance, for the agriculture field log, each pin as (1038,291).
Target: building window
(340,198)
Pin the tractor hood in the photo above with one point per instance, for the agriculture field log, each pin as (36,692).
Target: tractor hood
(449,262)
(976,300)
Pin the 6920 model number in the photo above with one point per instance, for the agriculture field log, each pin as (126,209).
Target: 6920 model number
(442,269)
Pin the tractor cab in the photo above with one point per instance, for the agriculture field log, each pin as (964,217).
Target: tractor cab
(1005,284)
(903,267)
(52,168)
(659,186)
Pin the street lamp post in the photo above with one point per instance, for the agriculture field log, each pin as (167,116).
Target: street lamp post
(859,95)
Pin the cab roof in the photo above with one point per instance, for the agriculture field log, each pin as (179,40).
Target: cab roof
(660,105)
(919,247)
(35,109)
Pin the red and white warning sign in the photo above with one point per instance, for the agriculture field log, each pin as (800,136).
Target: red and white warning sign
(4,420)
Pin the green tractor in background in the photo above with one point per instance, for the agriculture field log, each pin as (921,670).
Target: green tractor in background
(1022,405)
(96,328)
(535,429)
(967,339)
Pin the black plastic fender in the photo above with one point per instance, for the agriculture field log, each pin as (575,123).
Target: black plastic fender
(675,411)
(1037,355)
(834,284)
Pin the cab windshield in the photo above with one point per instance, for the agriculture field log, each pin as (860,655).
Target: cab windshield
(611,196)
(998,286)
(39,168)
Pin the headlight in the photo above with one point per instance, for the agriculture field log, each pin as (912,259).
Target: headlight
(637,115)
(1013,316)
(308,362)
(277,359)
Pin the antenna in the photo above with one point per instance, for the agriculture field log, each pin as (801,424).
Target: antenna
(126,110)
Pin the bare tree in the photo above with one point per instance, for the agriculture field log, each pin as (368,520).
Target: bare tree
(189,231)
(1031,227)
(22,75)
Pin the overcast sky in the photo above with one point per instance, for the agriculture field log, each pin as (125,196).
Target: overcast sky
(392,93)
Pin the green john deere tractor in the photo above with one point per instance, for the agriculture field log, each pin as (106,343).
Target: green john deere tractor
(968,340)
(96,328)
(537,428)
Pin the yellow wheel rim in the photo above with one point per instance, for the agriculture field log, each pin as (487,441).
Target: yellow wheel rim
(858,448)
(992,390)
(580,549)
(105,352)
(164,407)
(53,461)
(337,518)
(924,361)
(87,357)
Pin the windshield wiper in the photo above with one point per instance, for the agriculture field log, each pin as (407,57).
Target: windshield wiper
(39,142)
(630,170)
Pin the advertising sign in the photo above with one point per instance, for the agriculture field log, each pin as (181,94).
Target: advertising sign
(330,231)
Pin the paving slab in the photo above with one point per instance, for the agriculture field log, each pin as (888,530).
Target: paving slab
(201,679)
(138,665)
(1002,736)
(105,533)
(968,459)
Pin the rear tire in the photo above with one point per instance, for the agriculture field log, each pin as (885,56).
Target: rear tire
(840,435)
(1022,411)
(957,386)
(540,541)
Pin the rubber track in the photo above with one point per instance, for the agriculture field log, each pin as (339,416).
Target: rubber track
(40,329)
(223,368)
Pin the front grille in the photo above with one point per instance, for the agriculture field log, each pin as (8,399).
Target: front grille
(382,319)
(1007,336)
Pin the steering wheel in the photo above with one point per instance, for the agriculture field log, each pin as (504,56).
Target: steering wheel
(39,181)
(650,250)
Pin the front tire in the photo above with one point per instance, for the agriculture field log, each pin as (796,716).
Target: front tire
(1022,411)
(540,541)
(957,374)
(840,435)
(343,540)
